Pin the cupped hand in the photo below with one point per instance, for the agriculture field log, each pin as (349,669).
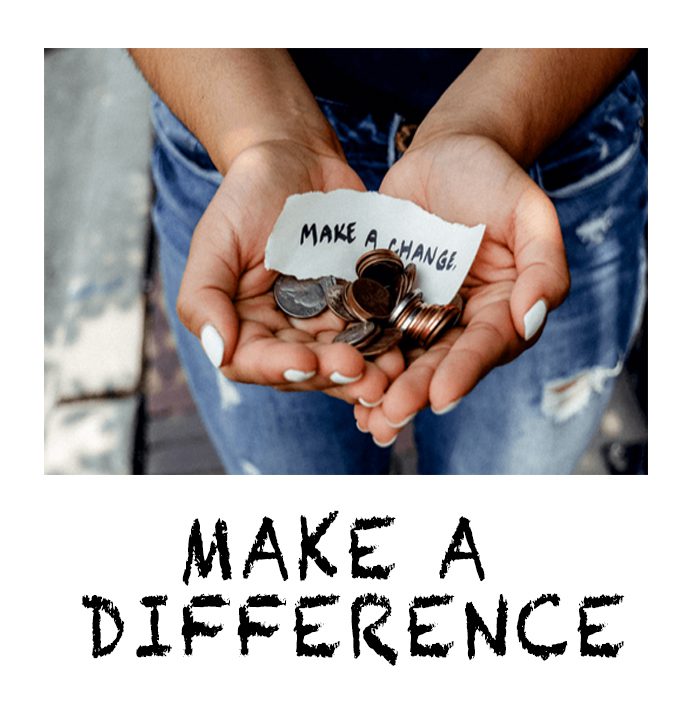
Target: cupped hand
(519,274)
(226,296)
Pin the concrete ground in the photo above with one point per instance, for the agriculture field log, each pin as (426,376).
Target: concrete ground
(116,401)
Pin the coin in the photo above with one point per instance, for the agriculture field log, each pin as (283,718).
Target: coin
(404,307)
(336,301)
(382,305)
(382,343)
(409,277)
(367,299)
(299,298)
(424,324)
(382,256)
(358,334)
(457,302)
(329,281)
(387,273)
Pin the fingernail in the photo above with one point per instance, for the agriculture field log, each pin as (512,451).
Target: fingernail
(534,318)
(386,444)
(448,407)
(369,404)
(338,378)
(296,375)
(212,344)
(360,429)
(404,422)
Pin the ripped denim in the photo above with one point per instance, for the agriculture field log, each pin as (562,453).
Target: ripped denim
(533,415)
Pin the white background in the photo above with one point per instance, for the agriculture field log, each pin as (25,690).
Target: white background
(126,537)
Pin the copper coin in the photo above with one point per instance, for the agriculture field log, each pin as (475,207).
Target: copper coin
(367,299)
(435,319)
(408,321)
(409,278)
(358,334)
(382,343)
(375,256)
(422,323)
(458,303)
(385,273)
(299,298)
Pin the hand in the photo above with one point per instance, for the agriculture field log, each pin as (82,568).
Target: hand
(226,293)
(520,263)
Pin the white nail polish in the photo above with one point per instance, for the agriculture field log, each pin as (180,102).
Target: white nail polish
(534,318)
(404,422)
(296,375)
(369,404)
(386,444)
(360,429)
(212,344)
(338,378)
(448,407)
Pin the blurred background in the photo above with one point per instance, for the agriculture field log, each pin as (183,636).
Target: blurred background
(116,399)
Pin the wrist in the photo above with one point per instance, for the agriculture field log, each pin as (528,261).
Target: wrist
(294,122)
(524,99)
(241,139)
(439,125)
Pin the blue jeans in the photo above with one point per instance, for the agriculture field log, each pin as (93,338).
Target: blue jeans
(534,415)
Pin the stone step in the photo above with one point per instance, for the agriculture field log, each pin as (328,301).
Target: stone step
(91,437)
(97,194)
(97,198)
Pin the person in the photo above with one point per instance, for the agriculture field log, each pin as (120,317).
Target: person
(545,147)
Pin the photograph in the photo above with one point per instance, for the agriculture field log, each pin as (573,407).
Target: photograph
(346,261)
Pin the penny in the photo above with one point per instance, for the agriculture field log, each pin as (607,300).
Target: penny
(385,273)
(358,334)
(386,268)
(457,302)
(299,298)
(367,298)
(382,343)
(426,323)
(409,279)
(377,256)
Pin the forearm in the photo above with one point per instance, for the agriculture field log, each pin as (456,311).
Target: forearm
(232,99)
(523,99)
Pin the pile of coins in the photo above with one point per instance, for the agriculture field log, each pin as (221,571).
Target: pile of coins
(381,305)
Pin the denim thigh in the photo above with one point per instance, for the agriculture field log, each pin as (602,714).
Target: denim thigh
(538,413)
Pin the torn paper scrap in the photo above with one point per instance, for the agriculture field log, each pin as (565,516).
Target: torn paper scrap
(324,233)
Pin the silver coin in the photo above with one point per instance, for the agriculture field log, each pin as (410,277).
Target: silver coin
(412,297)
(329,281)
(358,334)
(299,298)
(334,295)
